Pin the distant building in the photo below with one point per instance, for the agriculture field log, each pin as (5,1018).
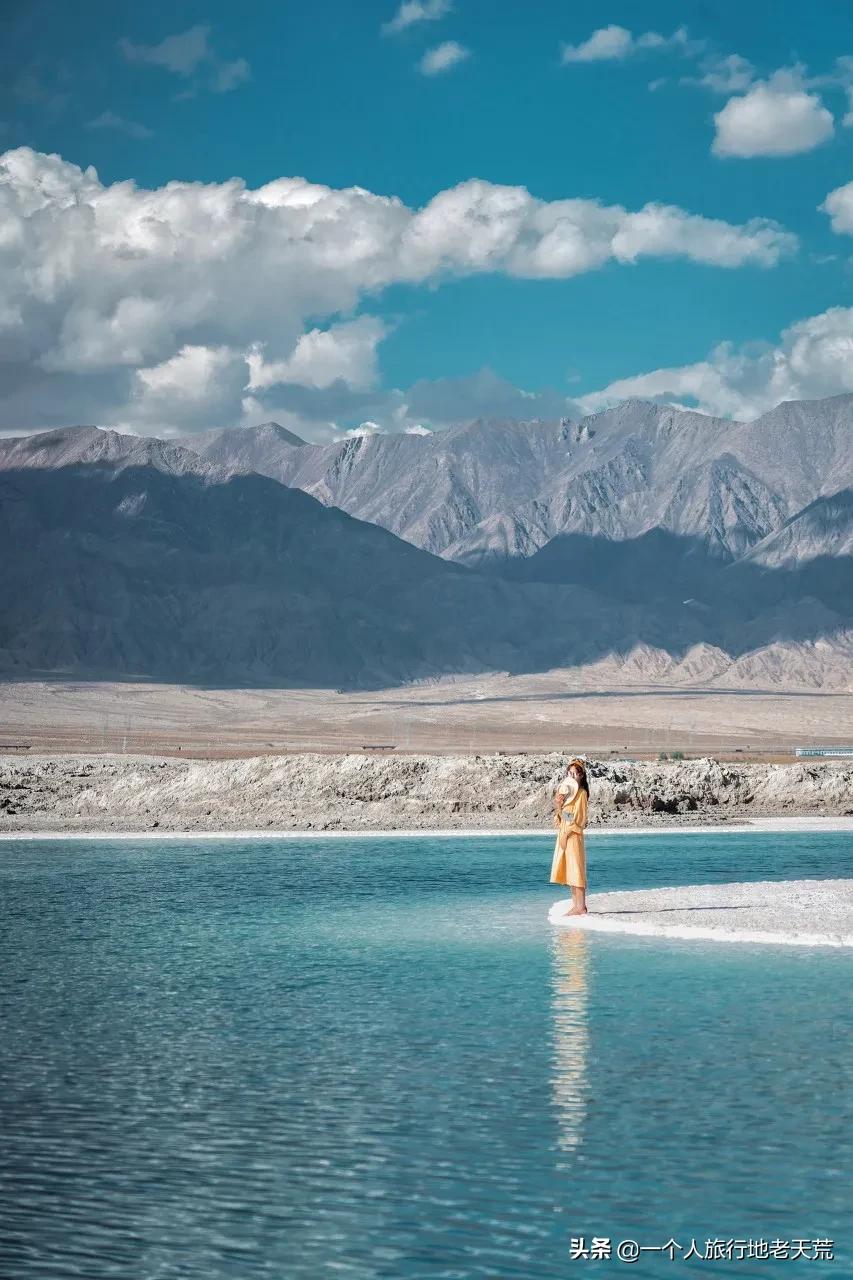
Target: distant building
(825,751)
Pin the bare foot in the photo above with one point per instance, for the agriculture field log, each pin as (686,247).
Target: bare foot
(577,911)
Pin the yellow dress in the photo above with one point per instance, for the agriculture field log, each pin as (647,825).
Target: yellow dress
(569,862)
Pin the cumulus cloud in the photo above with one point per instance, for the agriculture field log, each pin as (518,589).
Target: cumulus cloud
(603,45)
(847,119)
(839,205)
(443,57)
(105,283)
(192,387)
(479,226)
(813,359)
(117,124)
(614,44)
(363,429)
(412,12)
(777,117)
(345,352)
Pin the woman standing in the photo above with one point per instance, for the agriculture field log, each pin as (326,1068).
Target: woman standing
(570,816)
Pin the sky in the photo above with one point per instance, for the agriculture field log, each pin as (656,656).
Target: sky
(382,216)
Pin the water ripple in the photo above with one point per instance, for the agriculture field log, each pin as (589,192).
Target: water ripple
(266,1062)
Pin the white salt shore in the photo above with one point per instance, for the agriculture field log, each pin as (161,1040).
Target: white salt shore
(780,825)
(806,913)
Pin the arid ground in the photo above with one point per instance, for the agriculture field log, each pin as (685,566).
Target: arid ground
(556,711)
(372,791)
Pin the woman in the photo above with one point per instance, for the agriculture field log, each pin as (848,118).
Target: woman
(570,816)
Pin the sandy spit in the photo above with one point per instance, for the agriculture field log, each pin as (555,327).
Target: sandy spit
(118,794)
(788,912)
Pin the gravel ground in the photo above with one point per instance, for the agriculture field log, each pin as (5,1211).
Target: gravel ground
(800,912)
(311,792)
(587,711)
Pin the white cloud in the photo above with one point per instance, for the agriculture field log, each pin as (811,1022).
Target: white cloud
(813,359)
(187,53)
(775,118)
(605,44)
(180,54)
(729,74)
(190,389)
(443,57)
(346,352)
(104,281)
(187,374)
(667,231)
(839,205)
(415,11)
(109,120)
(847,119)
(614,43)
(361,431)
(479,226)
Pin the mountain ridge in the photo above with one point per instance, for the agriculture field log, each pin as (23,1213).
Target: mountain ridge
(172,576)
(643,535)
(489,490)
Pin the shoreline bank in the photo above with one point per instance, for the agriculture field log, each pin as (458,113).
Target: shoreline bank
(313,794)
(808,823)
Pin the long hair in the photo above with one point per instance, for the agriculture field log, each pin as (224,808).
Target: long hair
(583,781)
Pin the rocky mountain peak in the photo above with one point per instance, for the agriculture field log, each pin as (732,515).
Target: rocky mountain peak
(274,431)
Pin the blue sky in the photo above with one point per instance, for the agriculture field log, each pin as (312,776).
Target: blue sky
(320,91)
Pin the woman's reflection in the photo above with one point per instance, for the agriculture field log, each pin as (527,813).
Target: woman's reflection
(571,1033)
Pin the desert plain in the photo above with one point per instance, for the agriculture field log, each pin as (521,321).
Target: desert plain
(455,754)
(564,711)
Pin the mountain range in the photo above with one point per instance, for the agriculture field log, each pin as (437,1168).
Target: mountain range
(673,545)
(490,490)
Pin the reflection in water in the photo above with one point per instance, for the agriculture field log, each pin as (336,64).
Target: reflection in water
(571,1033)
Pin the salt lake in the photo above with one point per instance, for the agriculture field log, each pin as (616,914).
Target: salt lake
(375,1058)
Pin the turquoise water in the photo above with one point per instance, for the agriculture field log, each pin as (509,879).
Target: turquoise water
(374,1058)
